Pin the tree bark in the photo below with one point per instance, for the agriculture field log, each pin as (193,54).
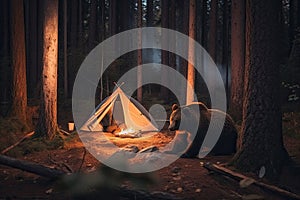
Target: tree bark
(32,46)
(19,89)
(65,49)
(5,65)
(291,21)
(212,36)
(150,15)
(225,45)
(140,57)
(204,24)
(73,39)
(80,26)
(261,135)
(191,54)
(40,36)
(92,25)
(237,58)
(165,54)
(47,124)
(102,37)
(124,15)
(112,17)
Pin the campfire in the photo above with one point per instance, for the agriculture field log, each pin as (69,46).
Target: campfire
(128,133)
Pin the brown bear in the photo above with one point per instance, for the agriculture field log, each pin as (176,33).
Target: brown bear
(188,115)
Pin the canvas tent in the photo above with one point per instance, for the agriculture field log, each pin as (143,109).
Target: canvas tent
(124,110)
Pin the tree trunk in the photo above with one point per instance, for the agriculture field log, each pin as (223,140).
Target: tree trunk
(182,26)
(172,45)
(124,15)
(102,37)
(261,136)
(191,54)
(237,57)
(165,54)
(32,46)
(92,25)
(31,167)
(212,36)
(204,24)
(40,37)
(294,19)
(140,58)
(291,21)
(47,124)
(65,49)
(112,17)
(19,90)
(73,38)
(80,26)
(225,45)
(297,10)
(5,68)
(150,13)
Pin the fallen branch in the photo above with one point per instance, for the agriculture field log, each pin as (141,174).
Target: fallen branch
(17,143)
(64,132)
(237,176)
(30,167)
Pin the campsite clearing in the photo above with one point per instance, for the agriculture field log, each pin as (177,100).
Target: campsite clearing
(185,178)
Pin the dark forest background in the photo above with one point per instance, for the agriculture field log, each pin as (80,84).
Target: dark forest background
(85,23)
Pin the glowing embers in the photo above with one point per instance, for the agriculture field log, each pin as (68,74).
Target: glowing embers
(128,133)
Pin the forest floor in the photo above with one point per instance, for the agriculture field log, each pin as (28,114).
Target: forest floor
(185,178)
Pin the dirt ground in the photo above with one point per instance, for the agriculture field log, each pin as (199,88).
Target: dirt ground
(184,179)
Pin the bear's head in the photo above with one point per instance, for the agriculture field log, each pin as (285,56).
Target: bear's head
(175,118)
(190,113)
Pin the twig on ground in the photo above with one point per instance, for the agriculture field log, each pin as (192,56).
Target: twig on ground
(28,135)
(64,132)
(237,176)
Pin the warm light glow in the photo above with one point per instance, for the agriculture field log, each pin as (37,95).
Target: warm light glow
(129,132)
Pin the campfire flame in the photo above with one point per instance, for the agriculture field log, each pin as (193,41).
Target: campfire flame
(127,131)
(130,132)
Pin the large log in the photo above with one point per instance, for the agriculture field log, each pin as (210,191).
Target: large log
(31,167)
(54,174)
(237,176)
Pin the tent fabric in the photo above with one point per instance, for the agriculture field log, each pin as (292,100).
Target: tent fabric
(124,110)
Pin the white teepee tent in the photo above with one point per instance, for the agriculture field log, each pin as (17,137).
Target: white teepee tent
(124,110)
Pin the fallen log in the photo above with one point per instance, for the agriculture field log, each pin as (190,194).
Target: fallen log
(237,176)
(31,167)
(54,174)
(17,143)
